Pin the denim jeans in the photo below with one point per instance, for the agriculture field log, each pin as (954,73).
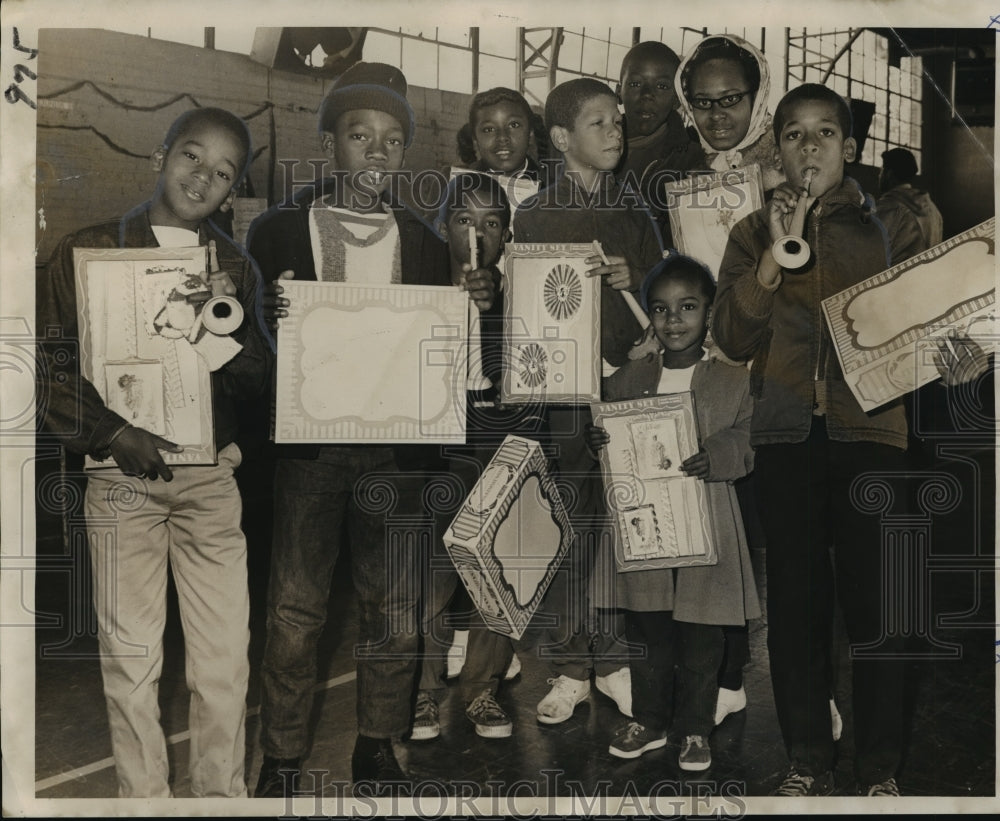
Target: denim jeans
(361,487)
(191,525)
(806,506)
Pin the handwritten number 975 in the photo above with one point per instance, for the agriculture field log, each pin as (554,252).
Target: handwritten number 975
(14,92)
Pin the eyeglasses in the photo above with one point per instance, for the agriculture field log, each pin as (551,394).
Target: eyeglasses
(705,103)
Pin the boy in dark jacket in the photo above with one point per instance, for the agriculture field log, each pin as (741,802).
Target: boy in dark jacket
(346,229)
(144,515)
(813,441)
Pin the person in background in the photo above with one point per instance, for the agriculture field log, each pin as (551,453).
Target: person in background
(654,130)
(900,200)
(478,202)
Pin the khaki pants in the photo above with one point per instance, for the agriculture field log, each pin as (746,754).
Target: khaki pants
(138,529)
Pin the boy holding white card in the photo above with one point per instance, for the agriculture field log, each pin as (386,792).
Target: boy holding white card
(345,229)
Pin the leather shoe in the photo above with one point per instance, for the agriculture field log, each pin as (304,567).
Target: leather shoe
(276,776)
(374,762)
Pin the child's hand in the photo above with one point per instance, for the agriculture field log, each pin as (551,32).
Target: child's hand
(619,275)
(962,361)
(137,452)
(697,465)
(782,207)
(273,303)
(221,284)
(480,285)
(596,437)
(646,345)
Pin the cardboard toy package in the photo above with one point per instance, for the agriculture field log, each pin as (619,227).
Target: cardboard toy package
(510,536)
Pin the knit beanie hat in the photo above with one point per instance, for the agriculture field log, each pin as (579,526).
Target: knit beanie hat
(376,86)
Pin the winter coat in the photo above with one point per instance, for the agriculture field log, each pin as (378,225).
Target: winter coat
(784,331)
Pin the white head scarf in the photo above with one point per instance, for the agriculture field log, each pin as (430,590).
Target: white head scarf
(760,117)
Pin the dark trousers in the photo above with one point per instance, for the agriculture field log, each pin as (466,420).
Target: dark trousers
(487,654)
(314,499)
(806,506)
(570,635)
(735,655)
(674,667)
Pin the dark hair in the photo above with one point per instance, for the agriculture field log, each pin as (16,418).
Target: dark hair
(650,49)
(813,92)
(681,268)
(566,100)
(218,118)
(901,163)
(488,190)
(486,99)
(721,49)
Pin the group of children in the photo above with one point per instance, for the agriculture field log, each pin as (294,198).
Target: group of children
(790,419)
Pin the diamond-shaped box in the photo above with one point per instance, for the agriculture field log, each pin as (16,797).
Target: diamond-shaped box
(510,536)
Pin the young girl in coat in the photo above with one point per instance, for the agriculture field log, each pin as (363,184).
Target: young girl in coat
(675,617)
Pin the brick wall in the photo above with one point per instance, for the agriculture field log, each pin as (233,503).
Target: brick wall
(82,179)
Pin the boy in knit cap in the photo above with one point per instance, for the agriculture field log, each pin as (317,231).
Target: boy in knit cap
(346,228)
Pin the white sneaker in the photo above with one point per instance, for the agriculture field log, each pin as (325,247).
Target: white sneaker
(729,701)
(456,653)
(562,699)
(618,687)
(513,669)
(836,720)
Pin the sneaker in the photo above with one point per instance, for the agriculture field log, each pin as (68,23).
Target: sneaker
(374,763)
(633,740)
(456,653)
(562,699)
(836,721)
(488,716)
(887,787)
(798,785)
(618,687)
(729,701)
(426,724)
(276,776)
(513,669)
(695,754)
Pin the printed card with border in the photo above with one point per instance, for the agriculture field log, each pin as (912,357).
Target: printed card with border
(372,363)
(703,209)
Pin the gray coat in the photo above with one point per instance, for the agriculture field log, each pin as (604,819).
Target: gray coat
(724,593)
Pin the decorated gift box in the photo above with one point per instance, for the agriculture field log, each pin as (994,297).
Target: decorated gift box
(510,536)
(660,515)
